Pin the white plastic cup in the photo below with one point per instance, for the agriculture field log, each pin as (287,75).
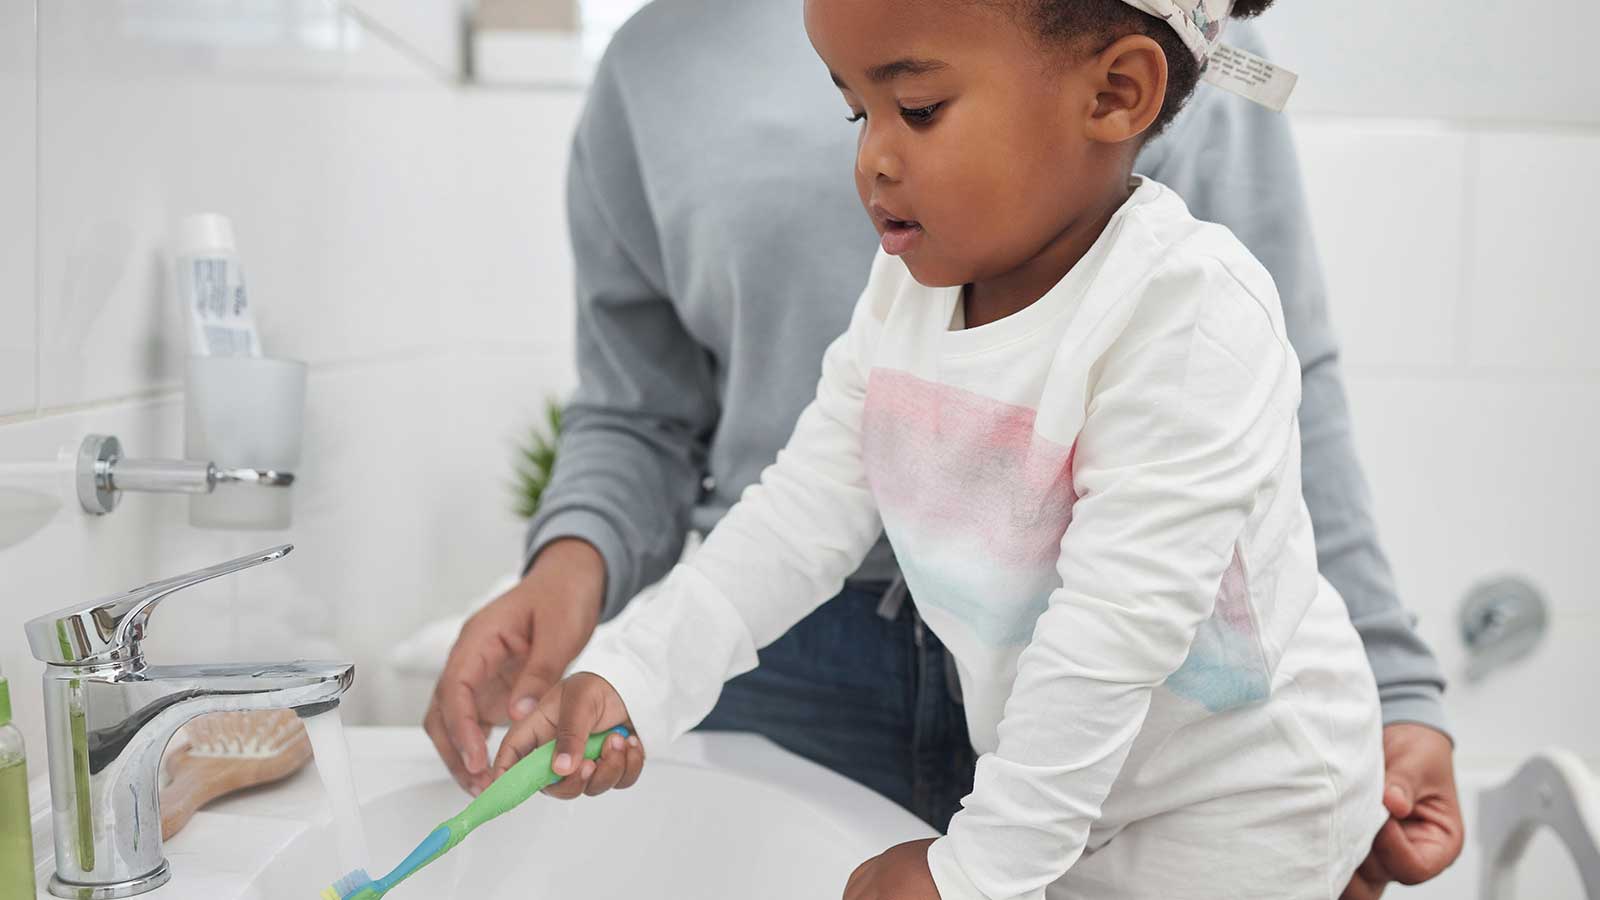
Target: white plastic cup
(243,412)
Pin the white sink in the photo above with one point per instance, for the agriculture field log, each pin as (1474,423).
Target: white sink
(714,816)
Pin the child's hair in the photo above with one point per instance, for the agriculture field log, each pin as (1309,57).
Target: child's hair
(1109,20)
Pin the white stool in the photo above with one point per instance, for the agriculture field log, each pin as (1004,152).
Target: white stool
(1553,789)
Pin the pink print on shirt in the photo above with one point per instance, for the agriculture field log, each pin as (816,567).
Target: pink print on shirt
(975,503)
(973,499)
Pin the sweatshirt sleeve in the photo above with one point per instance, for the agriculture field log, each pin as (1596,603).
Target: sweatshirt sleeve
(1187,418)
(633,443)
(780,552)
(1235,163)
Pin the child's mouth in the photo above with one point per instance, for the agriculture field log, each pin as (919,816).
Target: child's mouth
(900,235)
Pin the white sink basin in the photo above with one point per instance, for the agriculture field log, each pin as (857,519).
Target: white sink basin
(715,816)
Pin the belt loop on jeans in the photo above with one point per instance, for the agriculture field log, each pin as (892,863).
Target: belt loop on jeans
(952,678)
(893,598)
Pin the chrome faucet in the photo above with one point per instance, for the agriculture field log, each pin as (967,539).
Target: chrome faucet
(109,715)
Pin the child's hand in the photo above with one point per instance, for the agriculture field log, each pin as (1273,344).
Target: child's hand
(575,708)
(898,873)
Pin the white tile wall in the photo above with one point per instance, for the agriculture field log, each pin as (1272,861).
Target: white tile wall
(337,186)
(1534,276)
(403,236)
(1394,295)
(1487,476)
(516,278)
(1430,59)
(432,31)
(17,90)
(1475,477)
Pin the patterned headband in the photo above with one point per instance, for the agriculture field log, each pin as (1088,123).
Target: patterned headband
(1198,22)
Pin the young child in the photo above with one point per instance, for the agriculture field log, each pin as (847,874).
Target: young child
(1072,408)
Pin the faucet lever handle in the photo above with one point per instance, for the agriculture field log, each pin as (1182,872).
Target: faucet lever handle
(109,629)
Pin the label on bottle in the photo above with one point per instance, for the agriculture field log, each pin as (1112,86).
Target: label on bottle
(222,321)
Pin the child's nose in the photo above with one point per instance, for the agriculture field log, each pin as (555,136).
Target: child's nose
(877,157)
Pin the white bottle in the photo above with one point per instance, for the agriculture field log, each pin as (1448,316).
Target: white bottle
(210,286)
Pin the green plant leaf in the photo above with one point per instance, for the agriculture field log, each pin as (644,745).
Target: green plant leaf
(536,461)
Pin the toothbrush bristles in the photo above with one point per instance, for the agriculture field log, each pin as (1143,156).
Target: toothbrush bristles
(349,883)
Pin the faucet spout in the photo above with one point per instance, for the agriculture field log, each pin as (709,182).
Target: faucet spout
(159,700)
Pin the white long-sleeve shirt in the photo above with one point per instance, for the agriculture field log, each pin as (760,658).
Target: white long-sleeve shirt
(1095,502)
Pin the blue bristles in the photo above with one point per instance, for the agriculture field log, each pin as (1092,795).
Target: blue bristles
(349,884)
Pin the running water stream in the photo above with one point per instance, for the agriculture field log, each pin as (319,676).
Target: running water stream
(332,751)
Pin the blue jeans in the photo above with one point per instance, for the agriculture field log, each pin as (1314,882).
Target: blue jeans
(864,696)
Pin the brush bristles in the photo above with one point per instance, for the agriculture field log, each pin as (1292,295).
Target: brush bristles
(347,885)
(244,734)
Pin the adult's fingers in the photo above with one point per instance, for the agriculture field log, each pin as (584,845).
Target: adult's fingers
(459,710)
(1400,856)
(1398,793)
(466,673)
(1426,844)
(538,676)
(1369,881)
(433,724)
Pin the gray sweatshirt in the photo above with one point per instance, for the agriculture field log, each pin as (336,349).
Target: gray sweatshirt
(720,247)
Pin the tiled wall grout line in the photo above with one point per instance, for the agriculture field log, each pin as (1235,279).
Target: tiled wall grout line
(1461,352)
(423,354)
(38,210)
(1449,124)
(137,398)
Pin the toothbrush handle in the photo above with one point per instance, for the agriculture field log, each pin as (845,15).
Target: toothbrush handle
(529,776)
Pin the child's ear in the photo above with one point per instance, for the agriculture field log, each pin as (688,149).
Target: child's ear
(1130,87)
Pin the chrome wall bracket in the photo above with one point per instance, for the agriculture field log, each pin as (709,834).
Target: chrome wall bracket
(103,475)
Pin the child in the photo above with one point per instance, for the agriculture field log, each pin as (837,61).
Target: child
(1071,406)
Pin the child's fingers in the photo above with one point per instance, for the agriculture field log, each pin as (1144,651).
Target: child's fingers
(588,705)
(613,761)
(527,735)
(521,740)
(571,786)
(579,717)
(634,763)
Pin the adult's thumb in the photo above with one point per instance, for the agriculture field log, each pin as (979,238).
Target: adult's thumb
(538,676)
(1398,798)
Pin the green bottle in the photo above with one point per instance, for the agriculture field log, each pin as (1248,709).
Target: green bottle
(16,827)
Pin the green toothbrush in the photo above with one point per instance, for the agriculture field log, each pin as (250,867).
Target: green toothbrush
(529,776)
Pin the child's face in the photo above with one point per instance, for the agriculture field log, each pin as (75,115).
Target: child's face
(972,156)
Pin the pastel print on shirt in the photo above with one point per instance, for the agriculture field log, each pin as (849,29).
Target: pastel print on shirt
(975,502)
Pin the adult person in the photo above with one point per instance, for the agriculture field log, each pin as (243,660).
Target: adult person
(720,248)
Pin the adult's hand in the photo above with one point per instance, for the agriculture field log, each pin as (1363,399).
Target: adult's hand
(898,873)
(1424,833)
(510,653)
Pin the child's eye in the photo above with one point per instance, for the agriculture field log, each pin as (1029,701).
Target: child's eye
(856,117)
(921,115)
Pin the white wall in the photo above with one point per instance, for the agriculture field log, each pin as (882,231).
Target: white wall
(403,236)
(17,386)
(1450,151)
